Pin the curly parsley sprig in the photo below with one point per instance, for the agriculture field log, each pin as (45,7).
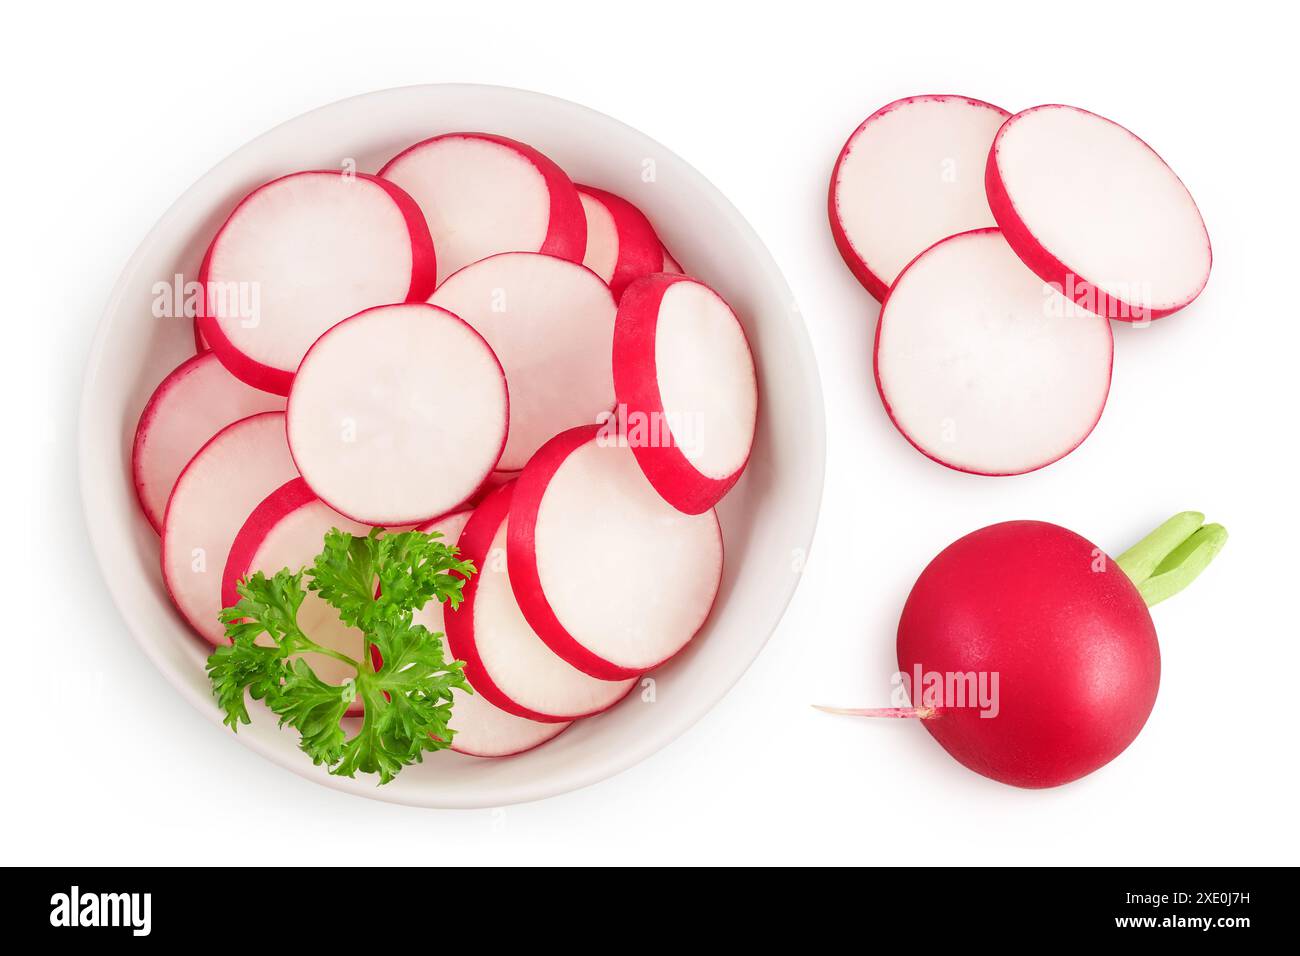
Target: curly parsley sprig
(376,583)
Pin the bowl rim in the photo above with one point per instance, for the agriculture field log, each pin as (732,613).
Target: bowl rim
(545,786)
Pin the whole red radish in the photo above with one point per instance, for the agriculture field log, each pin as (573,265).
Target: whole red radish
(1030,654)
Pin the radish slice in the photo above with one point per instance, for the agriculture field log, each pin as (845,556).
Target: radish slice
(609,575)
(982,367)
(482,729)
(193,403)
(687,393)
(505,660)
(298,255)
(551,323)
(910,175)
(670,264)
(1092,209)
(219,488)
(200,346)
(287,530)
(483,194)
(397,414)
(621,243)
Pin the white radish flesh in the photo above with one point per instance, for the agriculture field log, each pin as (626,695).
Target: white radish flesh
(551,324)
(621,244)
(482,729)
(287,530)
(483,194)
(613,578)
(505,660)
(686,388)
(1092,208)
(398,414)
(984,368)
(193,403)
(300,254)
(214,495)
(910,175)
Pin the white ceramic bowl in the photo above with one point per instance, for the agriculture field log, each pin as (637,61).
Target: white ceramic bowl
(768,519)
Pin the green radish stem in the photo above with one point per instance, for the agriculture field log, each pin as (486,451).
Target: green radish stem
(1170,557)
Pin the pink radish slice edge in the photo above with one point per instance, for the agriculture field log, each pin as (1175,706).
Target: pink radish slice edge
(482,729)
(381,446)
(195,401)
(909,175)
(298,255)
(1093,209)
(505,660)
(621,244)
(686,388)
(214,495)
(483,194)
(287,530)
(551,324)
(989,398)
(613,578)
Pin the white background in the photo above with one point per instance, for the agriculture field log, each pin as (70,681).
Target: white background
(111,112)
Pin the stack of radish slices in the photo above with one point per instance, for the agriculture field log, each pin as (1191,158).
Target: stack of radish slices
(469,343)
(1000,247)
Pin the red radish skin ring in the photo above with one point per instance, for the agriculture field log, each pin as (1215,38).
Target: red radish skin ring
(1094,210)
(285,531)
(1073,658)
(983,368)
(298,255)
(188,407)
(367,422)
(505,660)
(686,388)
(910,175)
(219,488)
(483,194)
(614,579)
(621,244)
(482,729)
(551,324)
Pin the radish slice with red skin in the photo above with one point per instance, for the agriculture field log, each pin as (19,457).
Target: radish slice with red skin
(613,578)
(483,194)
(228,477)
(982,367)
(686,388)
(398,414)
(287,530)
(200,346)
(189,406)
(551,323)
(505,660)
(482,729)
(910,175)
(1093,209)
(621,244)
(671,265)
(300,254)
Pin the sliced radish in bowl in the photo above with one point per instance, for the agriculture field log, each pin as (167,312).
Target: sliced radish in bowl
(551,323)
(910,175)
(228,477)
(613,578)
(287,530)
(1093,209)
(193,403)
(686,388)
(369,422)
(483,194)
(300,254)
(482,729)
(984,368)
(505,660)
(621,243)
